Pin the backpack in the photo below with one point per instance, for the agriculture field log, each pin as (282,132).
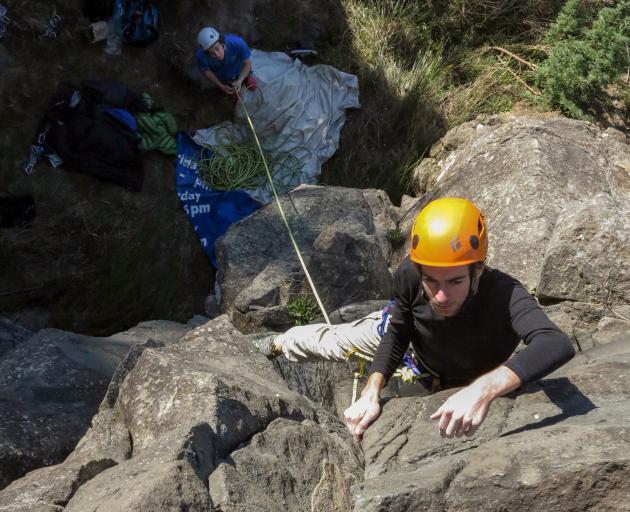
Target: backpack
(139,22)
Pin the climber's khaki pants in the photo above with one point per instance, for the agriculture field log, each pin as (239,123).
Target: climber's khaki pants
(331,342)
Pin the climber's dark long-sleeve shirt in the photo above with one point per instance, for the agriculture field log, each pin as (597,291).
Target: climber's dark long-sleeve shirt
(478,339)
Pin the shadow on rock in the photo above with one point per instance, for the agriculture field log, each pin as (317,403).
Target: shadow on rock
(565,395)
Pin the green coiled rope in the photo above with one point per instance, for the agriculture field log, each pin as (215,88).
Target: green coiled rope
(239,164)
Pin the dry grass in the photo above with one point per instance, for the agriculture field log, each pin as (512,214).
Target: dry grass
(401,82)
(422,69)
(487,93)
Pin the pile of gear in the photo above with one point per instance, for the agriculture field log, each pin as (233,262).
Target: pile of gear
(99,129)
(132,22)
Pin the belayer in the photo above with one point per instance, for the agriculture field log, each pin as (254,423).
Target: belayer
(462,319)
(225,60)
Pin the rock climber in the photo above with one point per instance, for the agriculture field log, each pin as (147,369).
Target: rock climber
(462,319)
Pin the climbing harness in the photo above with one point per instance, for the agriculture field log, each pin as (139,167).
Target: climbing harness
(408,371)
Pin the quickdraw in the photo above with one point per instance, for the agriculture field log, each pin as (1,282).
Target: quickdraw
(407,373)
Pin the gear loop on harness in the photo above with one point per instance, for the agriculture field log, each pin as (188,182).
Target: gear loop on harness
(407,373)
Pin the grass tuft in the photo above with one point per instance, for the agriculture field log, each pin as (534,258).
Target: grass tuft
(302,309)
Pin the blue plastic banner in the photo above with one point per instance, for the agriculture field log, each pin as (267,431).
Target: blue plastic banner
(211,212)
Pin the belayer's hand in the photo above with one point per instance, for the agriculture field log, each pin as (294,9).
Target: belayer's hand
(236,86)
(227,89)
(361,414)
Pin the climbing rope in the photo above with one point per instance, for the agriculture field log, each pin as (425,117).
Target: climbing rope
(237,164)
(407,373)
(283,216)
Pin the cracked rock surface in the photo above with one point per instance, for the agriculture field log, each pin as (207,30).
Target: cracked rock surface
(51,384)
(342,234)
(175,422)
(556,196)
(561,444)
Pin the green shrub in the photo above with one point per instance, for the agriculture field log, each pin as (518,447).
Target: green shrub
(589,53)
(396,237)
(571,20)
(302,309)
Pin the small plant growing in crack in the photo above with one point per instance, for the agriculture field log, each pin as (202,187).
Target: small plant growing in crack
(302,309)
(396,237)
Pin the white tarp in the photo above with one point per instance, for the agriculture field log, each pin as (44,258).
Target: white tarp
(297,109)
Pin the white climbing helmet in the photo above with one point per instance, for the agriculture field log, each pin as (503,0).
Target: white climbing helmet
(207,37)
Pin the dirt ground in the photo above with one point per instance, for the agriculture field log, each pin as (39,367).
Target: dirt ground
(97,258)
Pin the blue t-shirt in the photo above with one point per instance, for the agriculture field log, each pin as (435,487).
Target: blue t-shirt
(228,69)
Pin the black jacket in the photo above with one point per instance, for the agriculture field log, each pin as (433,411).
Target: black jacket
(479,338)
(91,141)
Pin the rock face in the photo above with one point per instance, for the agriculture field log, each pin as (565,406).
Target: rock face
(50,387)
(590,325)
(588,256)
(562,444)
(90,257)
(556,196)
(342,236)
(11,335)
(190,427)
(208,424)
(277,469)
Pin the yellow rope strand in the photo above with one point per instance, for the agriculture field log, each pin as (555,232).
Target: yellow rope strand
(363,358)
(286,222)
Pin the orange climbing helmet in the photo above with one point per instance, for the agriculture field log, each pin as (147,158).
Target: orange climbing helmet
(449,232)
